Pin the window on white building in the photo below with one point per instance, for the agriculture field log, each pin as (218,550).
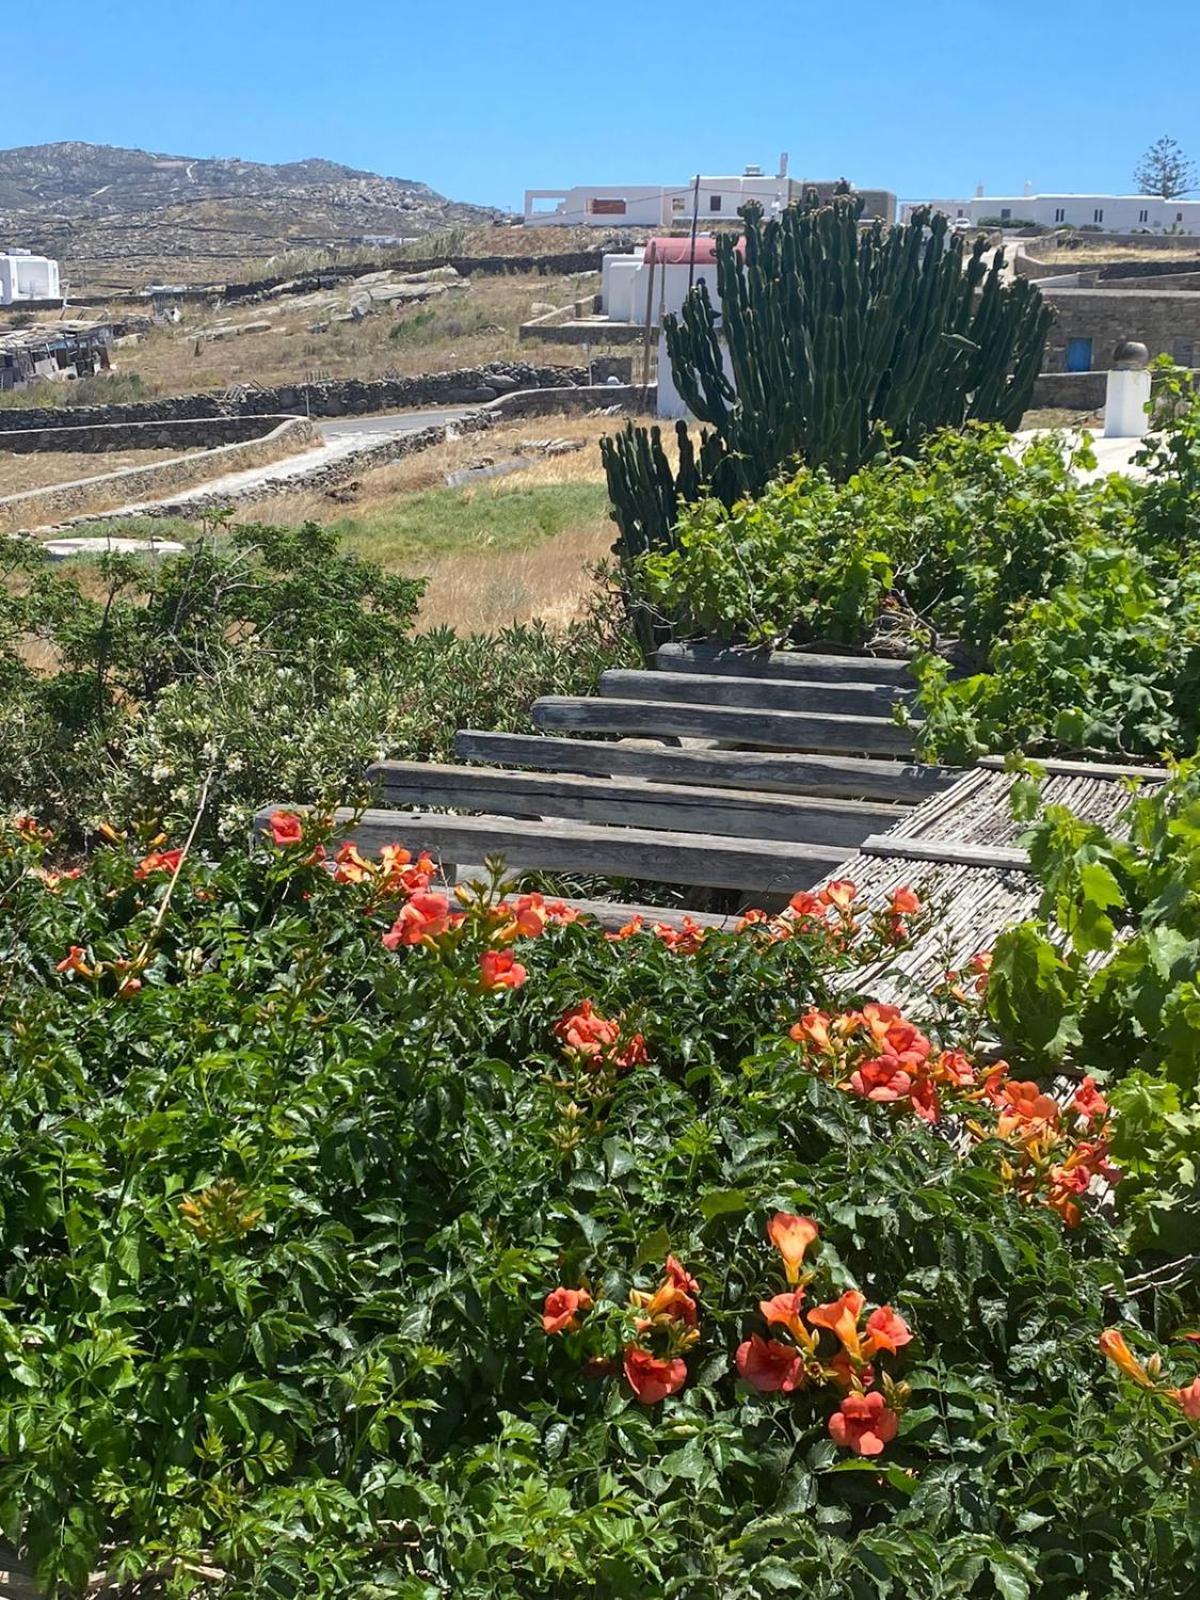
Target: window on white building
(1143,215)
(1060,214)
(1179,216)
(1098,214)
(1005,213)
(598,206)
(714,202)
(679,207)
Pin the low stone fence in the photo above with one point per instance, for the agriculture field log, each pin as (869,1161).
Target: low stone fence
(109,491)
(1074,391)
(338,397)
(200,433)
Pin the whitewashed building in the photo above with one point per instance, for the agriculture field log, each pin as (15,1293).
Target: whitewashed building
(654,205)
(1107,213)
(24,276)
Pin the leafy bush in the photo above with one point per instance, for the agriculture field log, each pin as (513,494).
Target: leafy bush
(1130,896)
(955,537)
(1044,612)
(261,666)
(316,1258)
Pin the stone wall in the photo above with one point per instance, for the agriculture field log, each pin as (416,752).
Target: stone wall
(632,398)
(337,398)
(204,433)
(111,490)
(1163,320)
(1074,391)
(567,264)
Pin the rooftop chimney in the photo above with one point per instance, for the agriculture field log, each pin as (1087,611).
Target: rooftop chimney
(783,164)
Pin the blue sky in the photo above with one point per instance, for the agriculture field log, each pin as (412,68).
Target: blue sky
(925,97)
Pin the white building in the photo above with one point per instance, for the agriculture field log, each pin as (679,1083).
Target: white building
(24,276)
(653,205)
(656,278)
(1107,213)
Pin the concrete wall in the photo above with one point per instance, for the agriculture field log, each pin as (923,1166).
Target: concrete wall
(110,490)
(337,398)
(206,433)
(1165,321)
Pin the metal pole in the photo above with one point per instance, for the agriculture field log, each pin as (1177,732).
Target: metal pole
(695,224)
(649,313)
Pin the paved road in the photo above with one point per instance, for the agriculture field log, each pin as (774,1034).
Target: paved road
(396,422)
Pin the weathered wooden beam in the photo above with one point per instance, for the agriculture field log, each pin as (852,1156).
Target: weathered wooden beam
(689,809)
(766,866)
(1084,769)
(950,851)
(784,666)
(766,771)
(706,689)
(776,730)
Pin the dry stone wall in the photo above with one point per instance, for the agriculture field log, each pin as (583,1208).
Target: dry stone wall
(202,433)
(91,496)
(340,397)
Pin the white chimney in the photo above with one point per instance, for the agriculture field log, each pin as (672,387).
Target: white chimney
(783,164)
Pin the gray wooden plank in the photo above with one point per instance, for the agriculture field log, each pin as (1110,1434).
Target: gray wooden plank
(1084,769)
(712,861)
(861,777)
(782,665)
(776,730)
(707,689)
(688,809)
(948,851)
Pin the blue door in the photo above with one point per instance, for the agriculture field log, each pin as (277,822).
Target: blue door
(1079,355)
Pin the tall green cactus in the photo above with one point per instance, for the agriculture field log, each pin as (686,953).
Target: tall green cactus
(831,339)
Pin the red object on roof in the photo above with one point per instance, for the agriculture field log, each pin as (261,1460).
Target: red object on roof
(675,252)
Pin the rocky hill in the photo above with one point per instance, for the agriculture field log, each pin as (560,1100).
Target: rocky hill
(98,204)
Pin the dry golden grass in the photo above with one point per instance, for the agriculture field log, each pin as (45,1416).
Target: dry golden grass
(480,547)
(462,329)
(43,468)
(484,593)
(427,470)
(1086,254)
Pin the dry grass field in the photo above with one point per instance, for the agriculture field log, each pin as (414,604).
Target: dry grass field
(1083,255)
(494,551)
(461,329)
(41,469)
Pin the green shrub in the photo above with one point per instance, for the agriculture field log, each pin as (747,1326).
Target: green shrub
(1130,896)
(1044,612)
(265,666)
(280,1210)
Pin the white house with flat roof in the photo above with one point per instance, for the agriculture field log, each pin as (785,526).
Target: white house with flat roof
(24,276)
(672,205)
(1109,213)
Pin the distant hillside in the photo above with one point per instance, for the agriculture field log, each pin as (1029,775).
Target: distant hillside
(97,204)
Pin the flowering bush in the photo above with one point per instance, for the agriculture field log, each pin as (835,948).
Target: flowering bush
(341,1259)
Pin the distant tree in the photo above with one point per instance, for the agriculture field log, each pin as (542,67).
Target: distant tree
(1165,170)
